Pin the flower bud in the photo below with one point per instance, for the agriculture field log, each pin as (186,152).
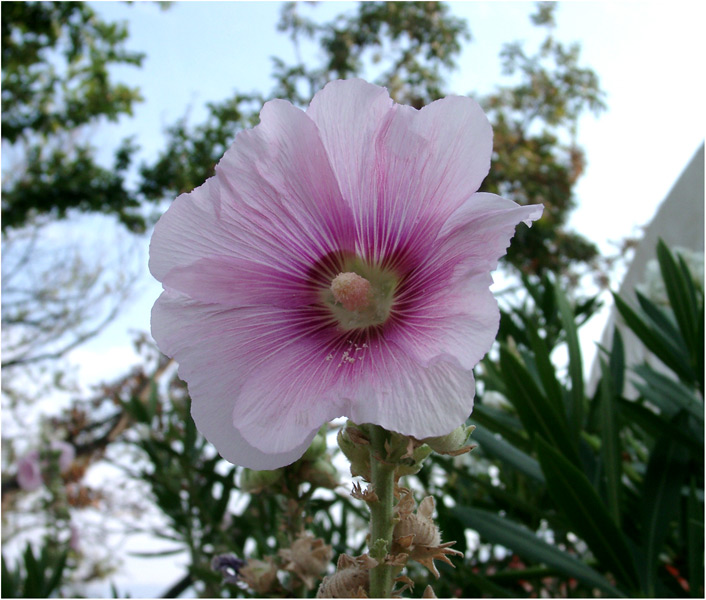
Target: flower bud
(321,473)
(254,482)
(229,566)
(453,443)
(413,464)
(350,441)
(317,447)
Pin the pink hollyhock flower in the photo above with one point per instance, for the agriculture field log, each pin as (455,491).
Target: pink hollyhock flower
(29,471)
(336,264)
(31,465)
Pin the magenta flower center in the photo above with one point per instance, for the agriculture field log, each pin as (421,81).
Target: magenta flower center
(361,296)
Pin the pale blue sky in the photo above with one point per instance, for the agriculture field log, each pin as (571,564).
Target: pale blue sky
(649,57)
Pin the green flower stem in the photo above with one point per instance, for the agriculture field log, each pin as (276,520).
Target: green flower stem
(381,513)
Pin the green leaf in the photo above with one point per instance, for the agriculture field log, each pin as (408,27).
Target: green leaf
(660,345)
(137,410)
(575,361)
(155,553)
(656,426)
(667,394)
(490,588)
(660,319)
(55,581)
(10,581)
(617,363)
(682,296)
(666,472)
(34,575)
(498,447)
(578,501)
(545,368)
(610,444)
(499,421)
(537,414)
(524,542)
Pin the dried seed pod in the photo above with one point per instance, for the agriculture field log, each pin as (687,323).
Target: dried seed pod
(428,592)
(419,524)
(308,558)
(351,579)
(260,575)
(417,535)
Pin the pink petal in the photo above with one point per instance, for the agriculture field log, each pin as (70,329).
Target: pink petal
(214,420)
(403,171)
(457,324)
(224,354)
(234,282)
(305,385)
(402,395)
(29,473)
(479,232)
(447,308)
(270,203)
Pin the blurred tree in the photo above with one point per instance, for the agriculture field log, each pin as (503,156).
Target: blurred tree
(410,47)
(55,81)
(537,158)
(55,85)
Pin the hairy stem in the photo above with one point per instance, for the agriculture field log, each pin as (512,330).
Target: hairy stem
(381,513)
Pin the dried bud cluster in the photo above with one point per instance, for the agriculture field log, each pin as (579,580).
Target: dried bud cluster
(260,575)
(350,580)
(417,535)
(420,525)
(308,558)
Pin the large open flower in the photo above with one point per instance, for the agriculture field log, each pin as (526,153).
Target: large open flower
(337,264)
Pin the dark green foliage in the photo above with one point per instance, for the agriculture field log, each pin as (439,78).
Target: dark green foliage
(536,156)
(41,97)
(34,576)
(192,153)
(634,492)
(194,488)
(59,181)
(410,42)
(55,62)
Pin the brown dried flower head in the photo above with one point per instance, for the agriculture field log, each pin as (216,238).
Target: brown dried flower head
(351,579)
(308,558)
(259,575)
(417,535)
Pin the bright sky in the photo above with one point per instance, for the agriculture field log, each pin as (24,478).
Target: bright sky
(649,56)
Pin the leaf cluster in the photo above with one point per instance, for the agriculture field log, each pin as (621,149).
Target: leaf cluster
(617,479)
(34,576)
(56,58)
